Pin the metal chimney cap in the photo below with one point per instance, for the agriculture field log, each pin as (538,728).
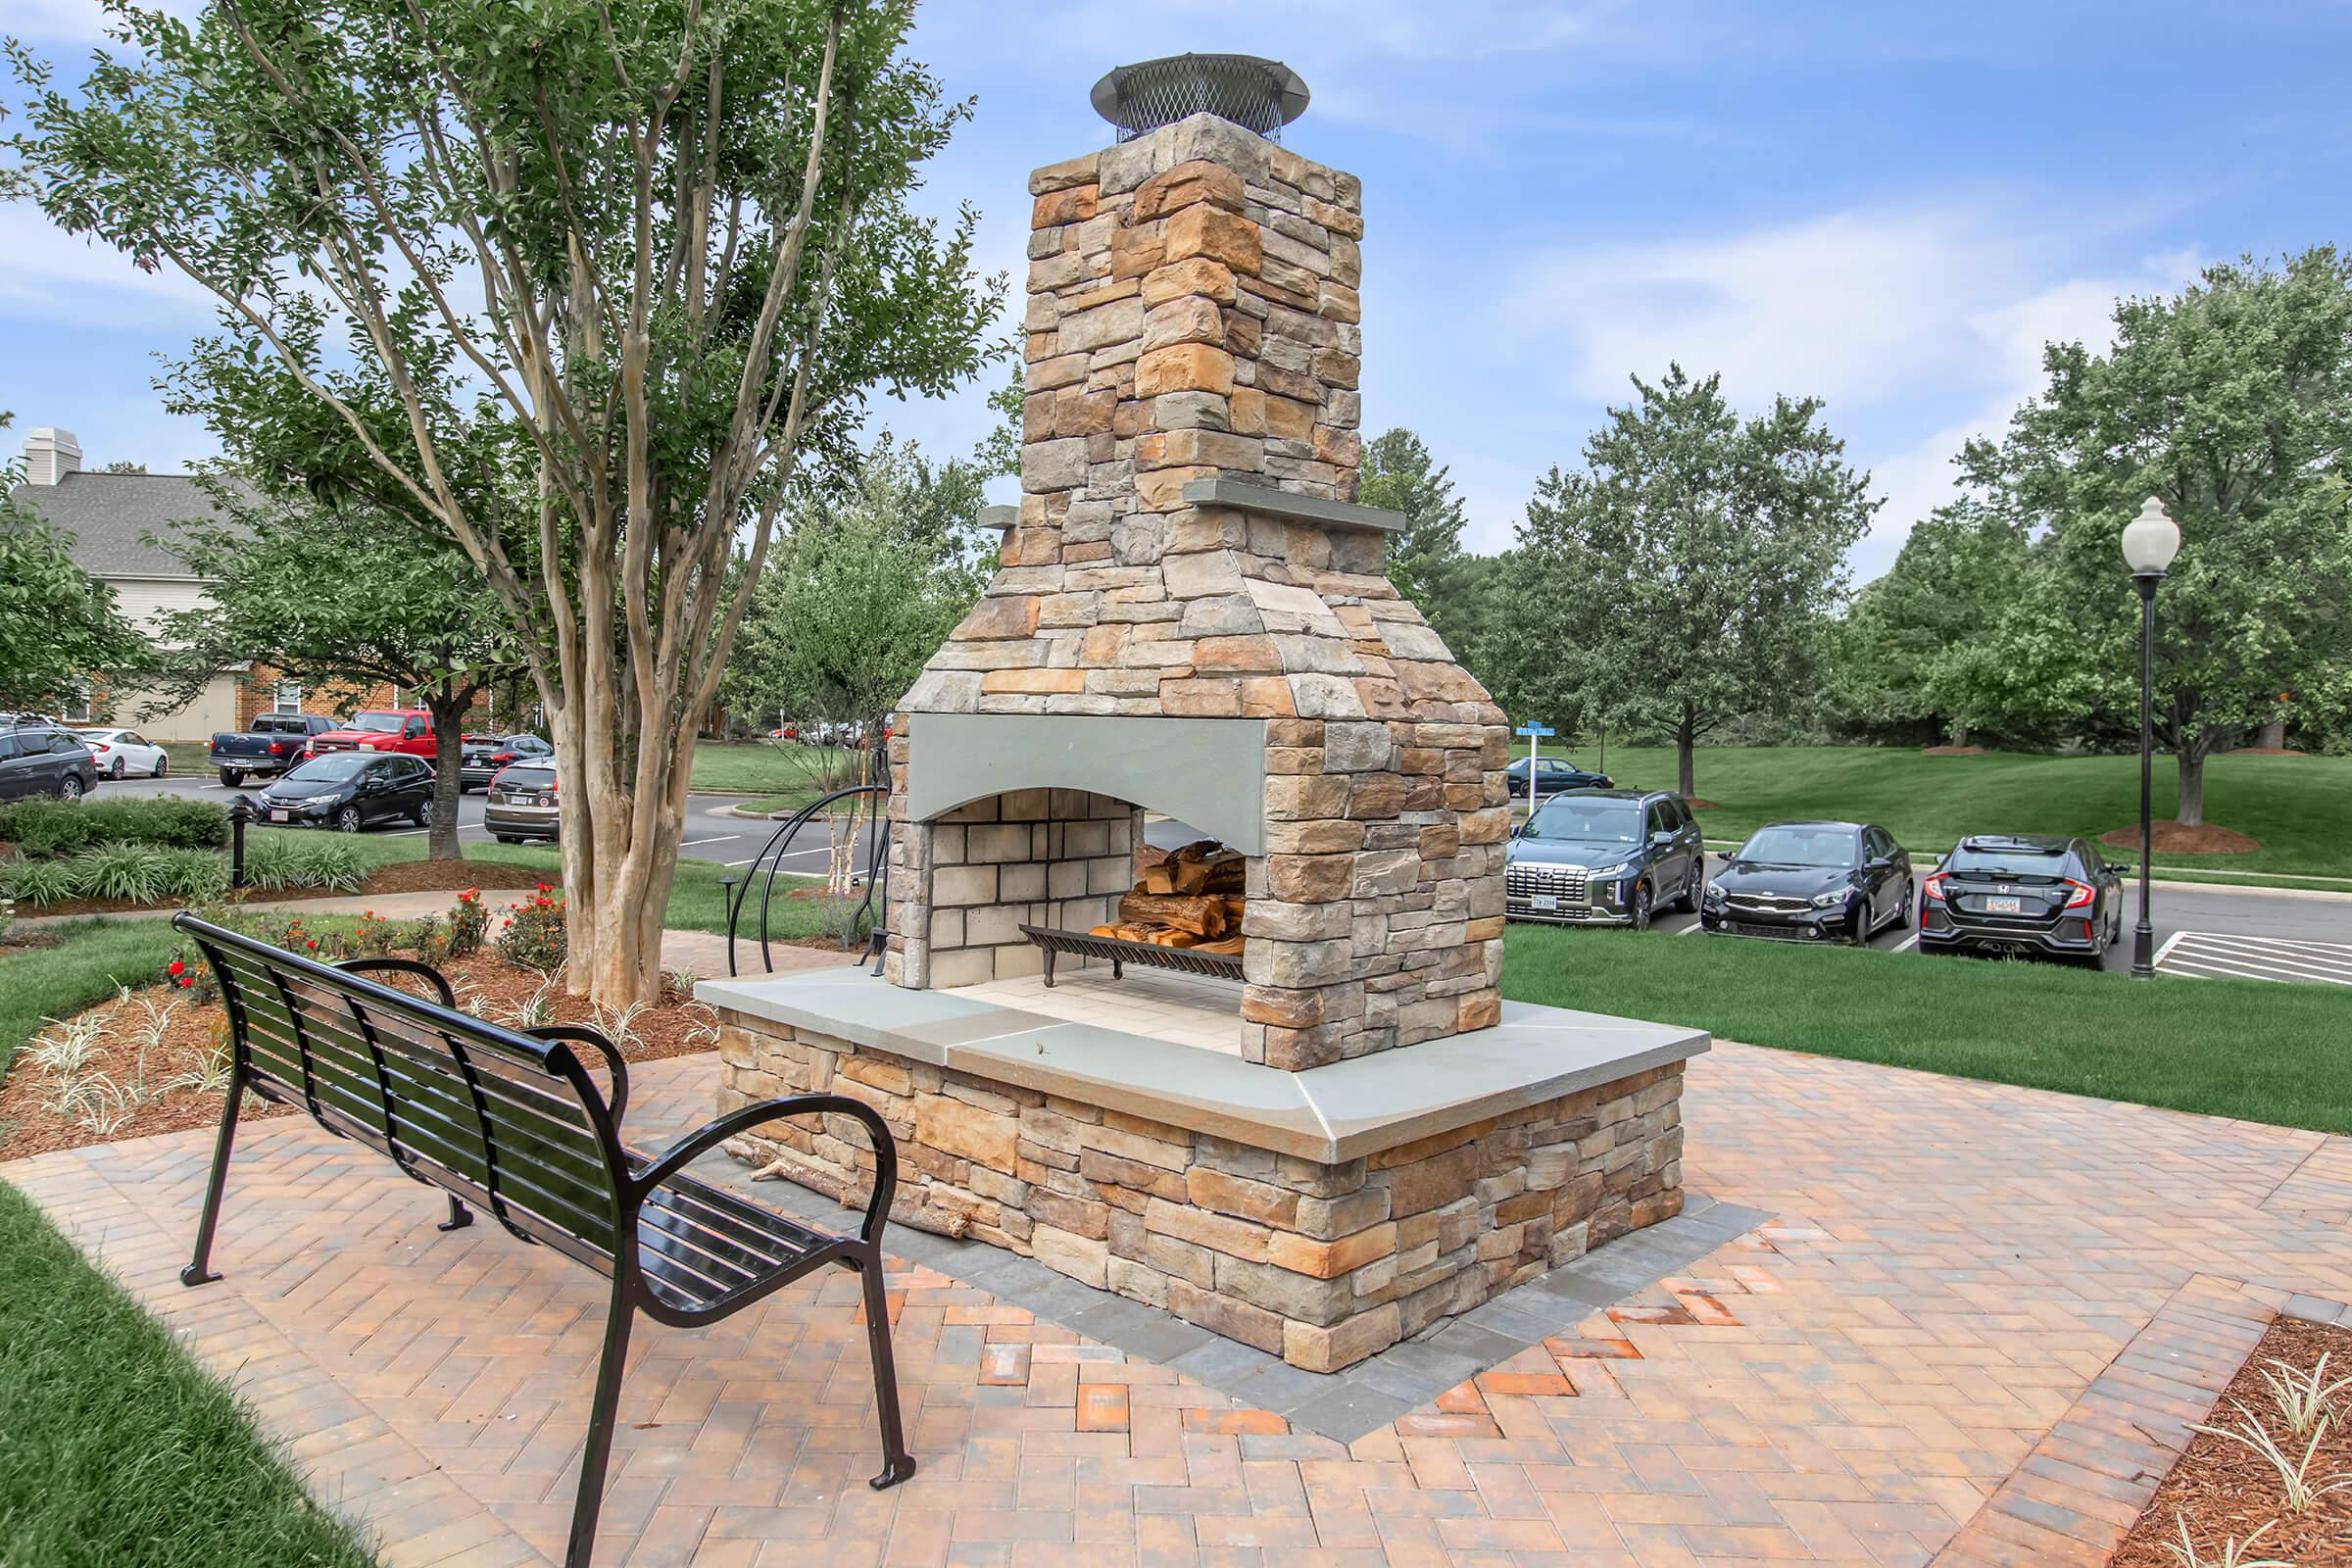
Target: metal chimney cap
(1257,94)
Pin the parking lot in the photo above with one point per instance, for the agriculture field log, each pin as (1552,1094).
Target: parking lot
(712,832)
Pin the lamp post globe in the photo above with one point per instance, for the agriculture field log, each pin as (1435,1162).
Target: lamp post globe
(2150,542)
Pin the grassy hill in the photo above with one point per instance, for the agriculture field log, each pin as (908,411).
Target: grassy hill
(2299,807)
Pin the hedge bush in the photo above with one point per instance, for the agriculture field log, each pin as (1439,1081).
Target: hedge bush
(145,873)
(42,826)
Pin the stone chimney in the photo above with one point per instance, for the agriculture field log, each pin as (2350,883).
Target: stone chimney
(50,454)
(1193,616)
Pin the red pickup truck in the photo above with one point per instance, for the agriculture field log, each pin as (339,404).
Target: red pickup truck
(382,729)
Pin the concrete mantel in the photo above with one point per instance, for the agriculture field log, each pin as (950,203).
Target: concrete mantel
(1292,507)
(1332,1114)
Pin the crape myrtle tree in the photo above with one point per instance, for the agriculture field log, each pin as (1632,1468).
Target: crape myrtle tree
(59,625)
(1687,572)
(2231,403)
(667,241)
(345,598)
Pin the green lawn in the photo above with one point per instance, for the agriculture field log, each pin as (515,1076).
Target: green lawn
(116,1449)
(769,767)
(2298,807)
(2270,1052)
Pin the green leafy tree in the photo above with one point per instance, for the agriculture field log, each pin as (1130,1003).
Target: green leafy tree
(2233,404)
(1686,573)
(1911,650)
(59,625)
(346,599)
(670,245)
(1399,474)
(861,591)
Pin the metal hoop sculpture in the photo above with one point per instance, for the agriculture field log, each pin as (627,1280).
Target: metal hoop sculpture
(873,906)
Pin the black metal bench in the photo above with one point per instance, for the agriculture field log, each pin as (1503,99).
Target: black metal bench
(512,1123)
(1122,953)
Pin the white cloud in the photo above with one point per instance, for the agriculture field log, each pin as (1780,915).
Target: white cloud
(1892,315)
(57,277)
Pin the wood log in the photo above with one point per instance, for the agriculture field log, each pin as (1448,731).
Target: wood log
(1161,879)
(1104,931)
(1167,936)
(1197,850)
(1221,873)
(1203,917)
(1149,856)
(1228,946)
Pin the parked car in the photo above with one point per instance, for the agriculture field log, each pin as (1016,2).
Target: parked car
(39,757)
(2021,893)
(349,791)
(521,803)
(1811,882)
(122,752)
(1552,774)
(407,730)
(485,755)
(274,743)
(1605,857)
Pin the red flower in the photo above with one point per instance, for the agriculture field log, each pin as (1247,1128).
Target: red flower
(176,968)
(314,941)
(186,981)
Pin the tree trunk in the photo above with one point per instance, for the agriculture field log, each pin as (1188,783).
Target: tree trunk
(449,755)
(1685,759)
(619,867)
(2190,810)
(1959,732)
(2273,736)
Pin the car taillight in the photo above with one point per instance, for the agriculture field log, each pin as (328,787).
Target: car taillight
(2081,895)
(277,749)
(1932,887)
(503,757)
(100,746)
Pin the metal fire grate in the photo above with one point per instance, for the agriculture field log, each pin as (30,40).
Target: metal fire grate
(1121,952)
(1260,95)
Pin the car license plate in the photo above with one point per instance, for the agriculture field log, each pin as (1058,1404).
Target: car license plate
(2000,906)
(280,816)
(1545,900)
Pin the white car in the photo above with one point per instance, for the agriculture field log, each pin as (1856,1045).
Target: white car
(121,752)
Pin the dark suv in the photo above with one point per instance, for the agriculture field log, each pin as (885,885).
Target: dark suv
(1605,857)
(2021,893)
(1552,775)
(38,758)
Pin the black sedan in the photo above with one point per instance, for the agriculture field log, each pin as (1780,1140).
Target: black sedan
(1811,882)
(348,791)
(2021,893)
(485,755)
(1552,774)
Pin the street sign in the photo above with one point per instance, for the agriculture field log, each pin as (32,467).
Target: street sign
(1532,728)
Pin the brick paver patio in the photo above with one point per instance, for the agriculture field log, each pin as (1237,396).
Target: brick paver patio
(1949,1267)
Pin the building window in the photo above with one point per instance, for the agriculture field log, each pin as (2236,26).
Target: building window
(288,698)
(78,709)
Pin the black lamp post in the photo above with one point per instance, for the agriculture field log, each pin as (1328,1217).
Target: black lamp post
(2150,541)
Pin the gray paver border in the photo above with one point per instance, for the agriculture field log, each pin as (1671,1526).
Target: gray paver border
(1342,1406)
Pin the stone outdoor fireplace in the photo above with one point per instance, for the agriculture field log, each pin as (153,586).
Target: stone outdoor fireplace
(1192,638)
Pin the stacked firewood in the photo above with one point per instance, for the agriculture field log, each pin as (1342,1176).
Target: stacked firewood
(1183,898)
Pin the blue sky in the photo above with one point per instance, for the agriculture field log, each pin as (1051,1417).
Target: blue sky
(1892,205)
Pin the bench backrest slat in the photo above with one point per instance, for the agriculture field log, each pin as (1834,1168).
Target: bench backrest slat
(509,1123)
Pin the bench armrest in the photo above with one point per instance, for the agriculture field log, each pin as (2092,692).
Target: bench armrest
(619,1103)
(703,1140)
(449,998)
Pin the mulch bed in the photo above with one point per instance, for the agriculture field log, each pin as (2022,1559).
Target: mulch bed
(29,1126)
(1951,750)
(2223,1490)
(2171,838)
(402,876)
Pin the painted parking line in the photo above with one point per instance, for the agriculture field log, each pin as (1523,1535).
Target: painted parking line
(724,838)
(1907,943)
(2217,955)
(1690,930)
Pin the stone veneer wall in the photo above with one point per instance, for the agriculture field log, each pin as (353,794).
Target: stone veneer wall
(1192,317)
(1321,1264)
(1053,858)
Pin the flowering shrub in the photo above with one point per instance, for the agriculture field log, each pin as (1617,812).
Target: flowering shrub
(469,923)
(535,937)
(429,939)
(189,976)
(375,937)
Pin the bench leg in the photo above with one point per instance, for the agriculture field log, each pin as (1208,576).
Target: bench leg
(1048,969)
(460,1216)
(897,1463)
(199,1270)
(602,1412)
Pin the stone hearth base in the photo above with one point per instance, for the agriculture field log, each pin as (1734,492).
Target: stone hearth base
(1272,1227)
